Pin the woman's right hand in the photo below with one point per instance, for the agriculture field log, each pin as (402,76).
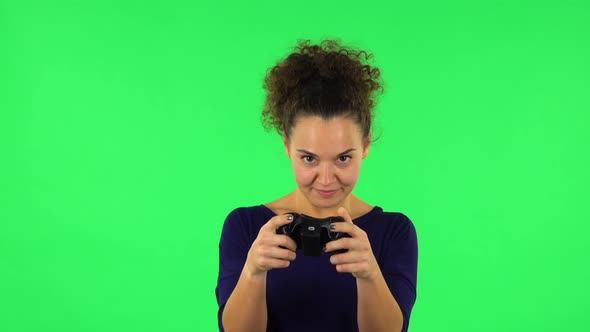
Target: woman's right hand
(271,250)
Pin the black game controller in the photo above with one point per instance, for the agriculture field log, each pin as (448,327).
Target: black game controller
(311,233)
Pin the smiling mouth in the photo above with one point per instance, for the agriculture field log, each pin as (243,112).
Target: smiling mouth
(326,193)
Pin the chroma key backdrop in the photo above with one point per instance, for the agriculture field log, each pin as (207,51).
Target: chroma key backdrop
(130,129)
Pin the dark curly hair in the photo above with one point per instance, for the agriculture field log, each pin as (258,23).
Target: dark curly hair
(326,80)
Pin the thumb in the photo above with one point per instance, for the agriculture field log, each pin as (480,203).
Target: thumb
(344,214)
(282,219)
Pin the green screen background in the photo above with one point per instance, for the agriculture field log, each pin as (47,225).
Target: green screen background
(130,129)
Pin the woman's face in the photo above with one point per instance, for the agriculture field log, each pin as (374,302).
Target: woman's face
(326,158)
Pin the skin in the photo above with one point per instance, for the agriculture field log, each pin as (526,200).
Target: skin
(325,155)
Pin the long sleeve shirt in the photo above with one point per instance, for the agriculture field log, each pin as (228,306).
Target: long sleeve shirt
(310,295)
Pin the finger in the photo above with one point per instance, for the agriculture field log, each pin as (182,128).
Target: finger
(272,239)
(353,267)
(281,240)
(346,227)
(342,243)
(267,263)
(278,221)
(291,244)
(349,257)
(277,253)
(275,222)
(344,214)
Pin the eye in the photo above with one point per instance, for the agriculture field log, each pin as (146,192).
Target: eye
(344,159)
(308,159)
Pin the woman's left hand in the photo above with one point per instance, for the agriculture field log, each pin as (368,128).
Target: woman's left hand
(359,259)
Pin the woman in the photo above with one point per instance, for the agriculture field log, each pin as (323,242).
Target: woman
(319,100)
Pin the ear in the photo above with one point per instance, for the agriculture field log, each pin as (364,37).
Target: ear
(286,146)
(366,147)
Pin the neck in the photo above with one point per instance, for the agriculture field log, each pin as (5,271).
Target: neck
(303,205)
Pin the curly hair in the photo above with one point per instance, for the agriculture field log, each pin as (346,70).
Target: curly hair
(326,80)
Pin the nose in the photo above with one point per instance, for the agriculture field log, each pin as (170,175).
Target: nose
(326,174)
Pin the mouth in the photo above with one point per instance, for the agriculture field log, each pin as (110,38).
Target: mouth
(326,193)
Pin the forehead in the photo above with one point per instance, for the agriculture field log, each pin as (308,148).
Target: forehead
(337,133)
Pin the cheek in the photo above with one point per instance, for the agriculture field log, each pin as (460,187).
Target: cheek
(350,175)
(303,176)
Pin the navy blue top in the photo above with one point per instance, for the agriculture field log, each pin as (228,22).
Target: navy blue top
(310,295)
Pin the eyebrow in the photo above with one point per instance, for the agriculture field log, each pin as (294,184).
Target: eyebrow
(313,154)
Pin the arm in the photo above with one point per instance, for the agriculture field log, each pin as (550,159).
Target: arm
(245,309)
(378,309)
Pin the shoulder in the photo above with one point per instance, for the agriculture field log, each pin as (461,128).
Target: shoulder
(390,224)
(253,212)
(248,219)
(393,238)
(381,217)
(400,220)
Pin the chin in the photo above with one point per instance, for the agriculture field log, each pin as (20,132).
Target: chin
(326,202)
